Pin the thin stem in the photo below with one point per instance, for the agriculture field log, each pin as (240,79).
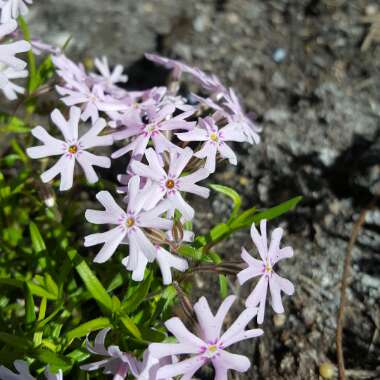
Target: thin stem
(343,296)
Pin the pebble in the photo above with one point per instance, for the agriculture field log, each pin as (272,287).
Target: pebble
(279,55)
(327,370)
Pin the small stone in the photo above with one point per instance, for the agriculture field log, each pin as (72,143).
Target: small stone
(279,55)
(327,370)
(279,320)
(232,18)
(371,9)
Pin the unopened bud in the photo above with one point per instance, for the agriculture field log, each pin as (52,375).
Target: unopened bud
(158,237)
(187,307)
(177,231)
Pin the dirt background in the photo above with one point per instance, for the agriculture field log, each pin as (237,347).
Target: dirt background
(300,66)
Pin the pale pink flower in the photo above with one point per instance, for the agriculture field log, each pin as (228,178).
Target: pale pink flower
(165,260)
(40,47)
(8,51)
(23,373)
(210,346)
(238,118)
(210,83)
(214,141)
(108,77)
(114,361)
(169,185)
(93,100)
(130,225)
(68,70)
(151,126)
(177,67)
(71,149)
(10,89)
(11,9)
(149,367)
(264,269)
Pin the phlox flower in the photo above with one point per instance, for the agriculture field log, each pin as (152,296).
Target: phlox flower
(169,185)
(177,67)
(214,141)
(264,269)
(238,118)
(23,372)
(92,99)
(10,89)
(151,126)
(114,361)
(11,9)
(130,225)
(107,77)
(119,364)
(210,344)
(209,83)
(71,149)
(8,51)
(165,260)
(149,367)
(40,47)
(68,70)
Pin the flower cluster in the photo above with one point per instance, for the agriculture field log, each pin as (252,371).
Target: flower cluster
(168,144)
(155,128)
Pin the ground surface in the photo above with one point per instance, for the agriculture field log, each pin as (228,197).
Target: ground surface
(319,106)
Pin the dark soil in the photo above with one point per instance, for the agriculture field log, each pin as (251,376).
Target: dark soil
(299,66)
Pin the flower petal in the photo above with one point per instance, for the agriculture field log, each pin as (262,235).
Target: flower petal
(186,367)
(183,335)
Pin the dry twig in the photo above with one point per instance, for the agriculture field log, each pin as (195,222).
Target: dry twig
(344,283)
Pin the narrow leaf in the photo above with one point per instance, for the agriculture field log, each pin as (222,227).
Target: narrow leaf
(231,193)
(30,313)
(38,242)
(86,328)
(92,283)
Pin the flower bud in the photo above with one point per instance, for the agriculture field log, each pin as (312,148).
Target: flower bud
(177,231)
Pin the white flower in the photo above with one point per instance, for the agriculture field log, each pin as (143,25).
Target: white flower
(22,368)
(11,89)
(11,9)
(130,225)
(71,149)
(8,52)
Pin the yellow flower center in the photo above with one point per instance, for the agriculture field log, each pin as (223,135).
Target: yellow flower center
(213,348)
(130,222)
(170,183)
(73,149)
(214,137)
(268,267)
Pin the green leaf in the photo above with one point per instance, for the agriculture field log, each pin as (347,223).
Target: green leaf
(138,296)
(12,124)
(53,359)
(231,193)
(92,283)
(40,292)
(38,242)
(30,313)
(131,327)
(189,251)
(51,285)
(223,285)
(269,214)
(15,341)
(86,328)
